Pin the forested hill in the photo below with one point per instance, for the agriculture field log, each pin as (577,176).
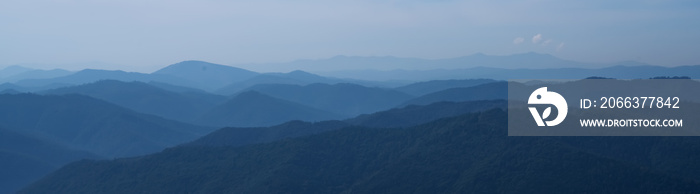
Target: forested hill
(466,154)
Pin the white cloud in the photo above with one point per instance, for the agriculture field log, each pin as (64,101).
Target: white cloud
(537,38)
(518,40)
(561,46)
(546,42)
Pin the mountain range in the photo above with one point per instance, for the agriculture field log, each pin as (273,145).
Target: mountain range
(92,125)
(40,133)
(619,72)
(254,109)
(397,117)
(344,124)
(25,158)
(423,88)
(204,75)
(366,71)
(16,73)
(292,78)
(142,97)
(386,63)
(343,99)
(464,154)
(488,91)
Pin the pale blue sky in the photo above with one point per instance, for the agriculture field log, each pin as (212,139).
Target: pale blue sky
(144,35)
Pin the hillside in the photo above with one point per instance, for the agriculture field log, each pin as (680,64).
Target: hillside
(388,63)
(465,154)
(418,114)
(398,117)
(489,91)
(93,125)
(24,159)
(146,98)
(423,88)
(204,75)
(619,71)
(254,109)
(232,136)
(344,99)
(94,75)
(292,78)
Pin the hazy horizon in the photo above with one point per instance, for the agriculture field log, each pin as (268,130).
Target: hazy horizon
(255,66)
(144,36)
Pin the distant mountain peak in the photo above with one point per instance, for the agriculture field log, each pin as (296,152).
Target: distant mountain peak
(300,72)
(13,70)
(17,68)
(193,65)
(209,76)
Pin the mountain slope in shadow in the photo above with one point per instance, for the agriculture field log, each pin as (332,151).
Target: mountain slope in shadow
(148,99)
(254,109)
(464,154)
(488,91)
(344,99)
(398,117)
(423,88)
(293,78)
(93,125)
(24,159)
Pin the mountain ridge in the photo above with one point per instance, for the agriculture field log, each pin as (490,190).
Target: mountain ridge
(384,63)
(208,76)
(146,98)
(464,154)
(341,98)
(93,125)
(254,109)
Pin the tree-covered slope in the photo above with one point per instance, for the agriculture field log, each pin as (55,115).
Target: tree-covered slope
(146,98)
(25,158)
(465,154)
(343,98)
(418,114)
(427,87)
(488,91)
(240,136)
(93,125)
(254,109)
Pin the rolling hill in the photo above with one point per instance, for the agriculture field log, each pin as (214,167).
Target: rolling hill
(423,88)
(146,98)
(344,99)
(388,63)
(93,75)
(418,114)
(93,125)
(624,71)
(254,109)
(292,78)
(398,117)
(233,136)
(16,73)
(207,76)
(489,91)
(24,159)
(465,154)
